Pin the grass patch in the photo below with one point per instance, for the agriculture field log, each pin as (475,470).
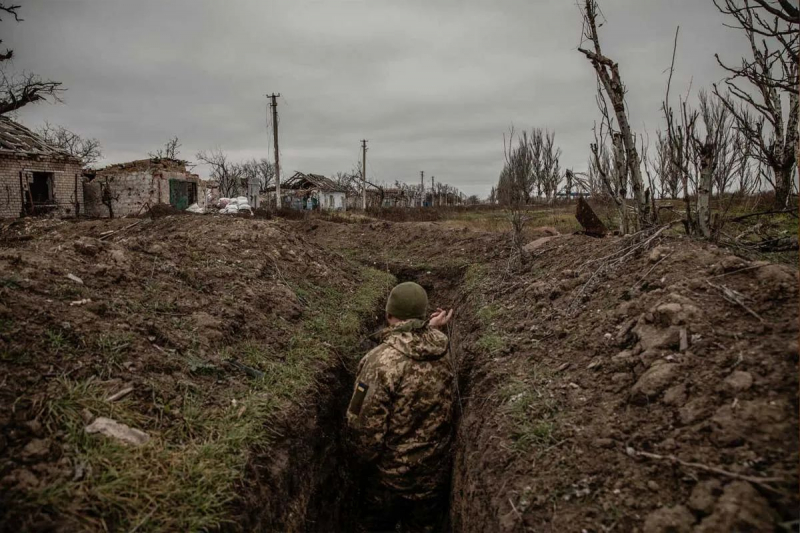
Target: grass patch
(190,472)
(474,276)
(491,343)
(488,313)
(532,414)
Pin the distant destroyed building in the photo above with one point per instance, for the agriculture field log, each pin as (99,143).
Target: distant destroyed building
(312,191)
(36,178)
(130,189)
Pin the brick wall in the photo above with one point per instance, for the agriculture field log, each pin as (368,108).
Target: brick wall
(133,190)
(66,174)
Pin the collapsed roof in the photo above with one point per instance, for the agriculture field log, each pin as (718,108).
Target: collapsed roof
(16,139)
(311,181)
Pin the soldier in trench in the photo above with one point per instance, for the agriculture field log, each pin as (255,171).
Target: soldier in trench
(400,417)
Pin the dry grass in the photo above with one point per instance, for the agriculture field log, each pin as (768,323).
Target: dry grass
(187,476)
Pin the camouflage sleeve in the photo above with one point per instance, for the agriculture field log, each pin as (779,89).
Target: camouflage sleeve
(370,407)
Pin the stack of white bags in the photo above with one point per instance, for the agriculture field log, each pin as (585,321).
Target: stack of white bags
(231,206)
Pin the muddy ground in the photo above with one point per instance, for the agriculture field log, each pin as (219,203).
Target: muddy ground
(618,384)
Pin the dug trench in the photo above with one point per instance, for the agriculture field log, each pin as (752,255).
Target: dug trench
(645,383)
(336,502)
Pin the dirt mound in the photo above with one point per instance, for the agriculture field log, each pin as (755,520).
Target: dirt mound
(202,339)
(622,387)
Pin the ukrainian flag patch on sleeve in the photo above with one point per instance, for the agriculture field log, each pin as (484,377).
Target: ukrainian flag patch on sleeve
(358,398)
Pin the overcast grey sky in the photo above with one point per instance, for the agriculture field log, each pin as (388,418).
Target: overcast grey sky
(432,84)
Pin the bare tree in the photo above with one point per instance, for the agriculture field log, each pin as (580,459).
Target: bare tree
(108,195)
(513,185)
(228,174)
(19,90)
(170,150)
(546,155)
(259,171)
(607,72)
(771,123)
(86,149)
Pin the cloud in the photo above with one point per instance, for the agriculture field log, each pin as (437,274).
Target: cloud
(432,85)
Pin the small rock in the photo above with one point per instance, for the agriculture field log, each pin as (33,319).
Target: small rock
(36,449)
(112,428)
(652,485)
(739,380)
(676,519)
(537,243)
(594,364)
(704,495)
(654,381)
(75,278)
(657,254)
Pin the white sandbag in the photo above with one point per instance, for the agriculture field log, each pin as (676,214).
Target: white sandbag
(194,208)
(241,200)
(222,203)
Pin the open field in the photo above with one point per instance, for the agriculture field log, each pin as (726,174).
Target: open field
(595,393)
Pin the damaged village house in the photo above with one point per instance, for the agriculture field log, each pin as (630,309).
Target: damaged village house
(36,178)
(130,189)
(311,192)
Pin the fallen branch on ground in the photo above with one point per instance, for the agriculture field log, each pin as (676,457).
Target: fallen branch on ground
(108,234)
(734,297)
(760,481)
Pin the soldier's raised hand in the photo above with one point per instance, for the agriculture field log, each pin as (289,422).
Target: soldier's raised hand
(440,318)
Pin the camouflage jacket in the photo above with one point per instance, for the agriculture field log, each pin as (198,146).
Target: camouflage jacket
(400,415)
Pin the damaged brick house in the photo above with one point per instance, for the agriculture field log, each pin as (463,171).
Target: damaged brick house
(311,191)
(130,189)
(36,178)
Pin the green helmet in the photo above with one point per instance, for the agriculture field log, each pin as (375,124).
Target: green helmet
(408,300)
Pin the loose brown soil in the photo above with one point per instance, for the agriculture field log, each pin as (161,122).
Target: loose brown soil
(583,382)
(579,399)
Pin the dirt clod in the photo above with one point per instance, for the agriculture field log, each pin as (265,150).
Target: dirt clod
(704,496)
(654,381)
(740,508)
(677,519)
(739,380)
(36,449)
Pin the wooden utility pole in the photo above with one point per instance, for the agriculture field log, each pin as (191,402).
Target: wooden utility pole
(364,174)
(433,193)
(274,106)
(421,188)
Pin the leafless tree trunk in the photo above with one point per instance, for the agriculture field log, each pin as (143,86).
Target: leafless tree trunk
(17,91)
(108,196)
(772,30)
(608,73)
